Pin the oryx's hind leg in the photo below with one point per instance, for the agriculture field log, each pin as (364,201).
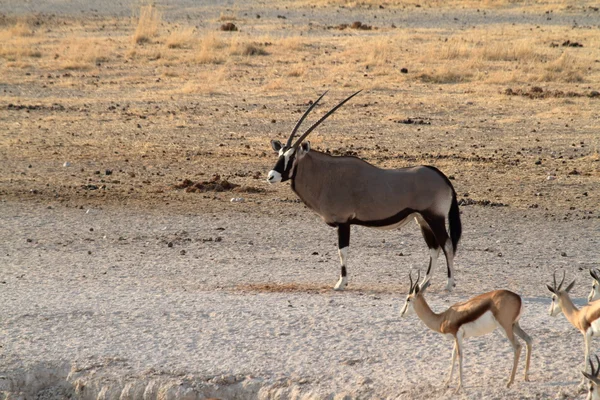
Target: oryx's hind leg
(437,225)
(343,245)
(432,243)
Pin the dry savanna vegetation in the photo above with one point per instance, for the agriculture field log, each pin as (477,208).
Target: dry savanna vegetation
(119,109)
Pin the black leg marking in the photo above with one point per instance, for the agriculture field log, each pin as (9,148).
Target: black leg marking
(431,241)
(343,235)
(343,270)
(438,227)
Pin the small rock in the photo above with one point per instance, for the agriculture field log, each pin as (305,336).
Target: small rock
(563,254)
(229,27)
(170,244)
(182,252)
(237,200)
(538,162)
(218,239)
(67,164)
(550,178)
(404,70)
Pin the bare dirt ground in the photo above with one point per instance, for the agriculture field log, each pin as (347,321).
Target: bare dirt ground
(122,275)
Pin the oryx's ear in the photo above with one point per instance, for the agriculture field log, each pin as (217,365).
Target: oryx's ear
(570,286)
(550,288)
(276,145)
(305,147)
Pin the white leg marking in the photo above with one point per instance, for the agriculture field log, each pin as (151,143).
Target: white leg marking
(460,361)
(434,254)
(450,263)
(449,380)
(343,281)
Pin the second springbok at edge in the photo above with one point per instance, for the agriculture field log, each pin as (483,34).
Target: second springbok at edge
(595,293)
(594,381)
(347,191)
(585,319)
(477,316)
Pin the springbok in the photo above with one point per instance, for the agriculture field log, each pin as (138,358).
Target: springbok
(586,319)
(347,191)
(595,293)
(593,391)
(477,316)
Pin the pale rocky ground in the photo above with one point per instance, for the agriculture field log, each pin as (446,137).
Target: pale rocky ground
(116,311)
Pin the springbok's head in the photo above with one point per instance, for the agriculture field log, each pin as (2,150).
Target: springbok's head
(557,293)
(284,167)
(415,290)
(593,390)
(595,293)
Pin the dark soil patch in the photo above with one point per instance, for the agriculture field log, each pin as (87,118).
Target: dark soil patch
(537,92)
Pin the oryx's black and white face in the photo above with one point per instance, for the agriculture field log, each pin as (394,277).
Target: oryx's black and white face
(284,167)
(288,153)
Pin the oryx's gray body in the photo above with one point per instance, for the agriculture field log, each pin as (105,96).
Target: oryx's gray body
(347,191)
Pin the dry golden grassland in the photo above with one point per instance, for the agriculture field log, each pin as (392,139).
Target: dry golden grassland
(505,109)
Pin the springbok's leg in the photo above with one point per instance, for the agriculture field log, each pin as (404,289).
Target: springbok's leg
(434,247)
(438,227)
(458,345)
(508,331)
(343,245)
(587,338)
(521,333)
(449,380)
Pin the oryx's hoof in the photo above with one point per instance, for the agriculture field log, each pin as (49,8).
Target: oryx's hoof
(341,284)
(450,285)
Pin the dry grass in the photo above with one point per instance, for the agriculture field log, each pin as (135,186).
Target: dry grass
(148,24)
(83,53)
(181,38)
(211,50)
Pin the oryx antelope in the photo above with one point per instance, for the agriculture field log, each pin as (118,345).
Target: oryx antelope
(477,316)
(586,319)
(593,390)
(595,293)
(347,191)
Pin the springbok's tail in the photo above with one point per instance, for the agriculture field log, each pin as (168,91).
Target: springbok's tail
(454,220)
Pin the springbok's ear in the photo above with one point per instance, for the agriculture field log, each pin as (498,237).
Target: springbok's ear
(276,145)
(570,286)
(550,288)
(306,147)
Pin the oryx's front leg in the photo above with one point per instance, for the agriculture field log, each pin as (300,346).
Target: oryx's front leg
(343,245)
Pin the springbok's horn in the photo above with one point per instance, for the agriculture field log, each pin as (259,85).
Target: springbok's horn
(411,282)
(562,281)
(323,118)
(289,141)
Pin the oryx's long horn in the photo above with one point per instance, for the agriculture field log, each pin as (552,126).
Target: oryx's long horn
(323,118)
(289,141)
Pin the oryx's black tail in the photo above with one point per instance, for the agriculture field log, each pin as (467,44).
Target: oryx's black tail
(453,214)
(454,220)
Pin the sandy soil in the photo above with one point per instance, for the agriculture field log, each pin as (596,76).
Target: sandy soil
(96,303)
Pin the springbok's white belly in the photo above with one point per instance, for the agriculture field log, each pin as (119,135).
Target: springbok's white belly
(398,224)
(595,327)
(481,326)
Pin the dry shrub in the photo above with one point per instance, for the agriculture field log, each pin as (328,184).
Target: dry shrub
(291,43)
(211,50)
(180,38)
(21,28)
(296,71)
(379,51)
(19,48)
(84,53)
(445,74)
(243,48)
(148,24)
(564,69)
(205,82)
